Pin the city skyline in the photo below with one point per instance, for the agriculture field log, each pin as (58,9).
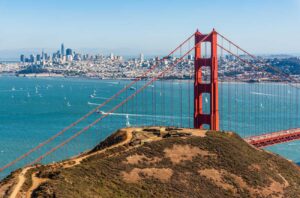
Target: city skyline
(62,53)
(92,27)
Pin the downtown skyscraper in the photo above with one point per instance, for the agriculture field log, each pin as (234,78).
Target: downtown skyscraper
(62,50)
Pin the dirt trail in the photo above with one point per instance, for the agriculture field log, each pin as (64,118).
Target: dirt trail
(36,182)
(21,180)
(79,159)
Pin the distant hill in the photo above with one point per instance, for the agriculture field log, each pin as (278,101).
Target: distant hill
(162,162)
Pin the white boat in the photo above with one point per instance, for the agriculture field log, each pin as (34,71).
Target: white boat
(132,88)
(127,121)
(102,112)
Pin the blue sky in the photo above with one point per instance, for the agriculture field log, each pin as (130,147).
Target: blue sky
(149,26)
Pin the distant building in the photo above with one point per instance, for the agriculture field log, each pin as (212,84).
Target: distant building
(63,58)
(22,58)
(69,58)
(111,56)
(38,57)
(58,54)
(77,57)
(62,50)
(69,52)
(32,58)
(45,57)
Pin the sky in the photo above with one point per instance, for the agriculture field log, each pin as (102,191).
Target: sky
(129,27)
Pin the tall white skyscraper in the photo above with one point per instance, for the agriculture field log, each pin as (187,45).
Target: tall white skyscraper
(142,57)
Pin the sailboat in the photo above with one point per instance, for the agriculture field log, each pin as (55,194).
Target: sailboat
(127,121)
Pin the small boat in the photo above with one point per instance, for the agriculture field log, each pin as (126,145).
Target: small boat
(132,88)
(93,95)
(102,112)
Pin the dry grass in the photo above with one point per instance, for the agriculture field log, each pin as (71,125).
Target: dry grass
(179,153)
(275,189)
(217,178)
(137,159)
(135,175)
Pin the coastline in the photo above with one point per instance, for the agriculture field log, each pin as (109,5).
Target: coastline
(54,75)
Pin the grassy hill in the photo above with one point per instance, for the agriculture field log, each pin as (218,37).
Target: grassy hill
(167,162)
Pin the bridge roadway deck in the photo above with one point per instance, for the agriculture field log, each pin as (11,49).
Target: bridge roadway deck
(273,138)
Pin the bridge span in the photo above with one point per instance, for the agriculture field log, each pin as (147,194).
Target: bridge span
(273,138)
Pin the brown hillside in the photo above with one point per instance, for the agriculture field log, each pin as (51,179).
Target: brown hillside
(162,162)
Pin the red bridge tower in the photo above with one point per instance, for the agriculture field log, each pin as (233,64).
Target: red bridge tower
(200,87)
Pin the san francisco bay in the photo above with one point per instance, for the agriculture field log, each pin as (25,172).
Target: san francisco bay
(34,109)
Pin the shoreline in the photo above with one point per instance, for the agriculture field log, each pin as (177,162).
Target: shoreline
(53,75)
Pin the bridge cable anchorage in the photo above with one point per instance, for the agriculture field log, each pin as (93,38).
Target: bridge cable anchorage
(116,107)
(95,109)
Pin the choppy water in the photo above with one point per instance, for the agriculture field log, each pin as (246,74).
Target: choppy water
(34,109)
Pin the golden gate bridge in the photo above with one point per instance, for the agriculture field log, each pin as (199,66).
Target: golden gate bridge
(202,105)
